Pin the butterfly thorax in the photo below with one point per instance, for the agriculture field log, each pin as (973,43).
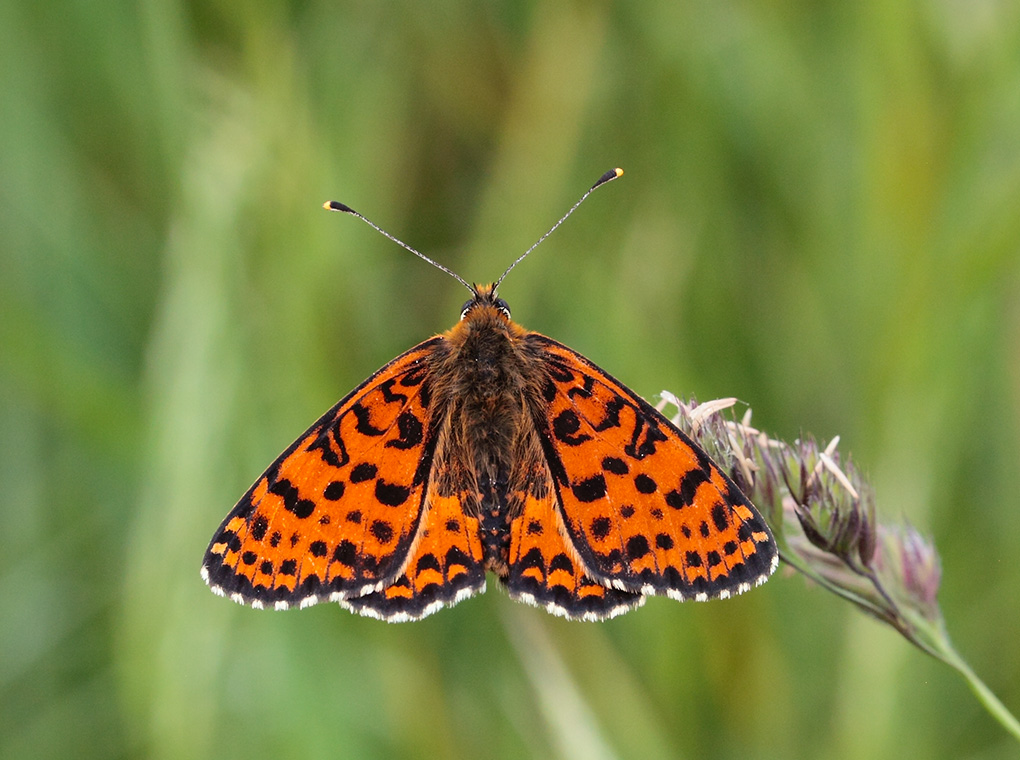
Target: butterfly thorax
(487,376)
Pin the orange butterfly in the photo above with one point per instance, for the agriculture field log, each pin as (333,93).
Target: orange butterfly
(489,448)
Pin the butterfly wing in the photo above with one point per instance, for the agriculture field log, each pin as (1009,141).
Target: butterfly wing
(338,513)
(643,506)
(545,571)
(445,567)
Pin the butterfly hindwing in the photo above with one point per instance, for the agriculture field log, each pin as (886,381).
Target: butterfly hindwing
(644,507)
(545,571)
(445,567)
(337,514)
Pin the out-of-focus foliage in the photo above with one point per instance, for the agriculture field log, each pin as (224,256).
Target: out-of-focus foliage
(819,216)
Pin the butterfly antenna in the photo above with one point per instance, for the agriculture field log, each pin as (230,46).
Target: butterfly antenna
(338,206)
(609,176)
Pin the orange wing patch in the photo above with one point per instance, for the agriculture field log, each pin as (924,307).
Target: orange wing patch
(545,569)
(646,510)
(336,515)
(444,568)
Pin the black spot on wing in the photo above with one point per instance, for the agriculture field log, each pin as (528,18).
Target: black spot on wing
(637,547)
(565,428)
(428,561)
(599,527)
(362,472)
(259,528)
(346,553)
(411,432)
(591,489)
(719,517)
(391,396)
(615,465)
(645,484)
(561,562)
(318,548)
(292,502)
(391,494)
(364,421)
(382,530)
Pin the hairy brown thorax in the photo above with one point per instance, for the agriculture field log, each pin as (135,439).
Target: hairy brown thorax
(488,377)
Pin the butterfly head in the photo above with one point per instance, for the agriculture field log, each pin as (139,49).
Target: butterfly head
(484,298)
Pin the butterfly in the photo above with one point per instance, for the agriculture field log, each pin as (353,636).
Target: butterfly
(489,448)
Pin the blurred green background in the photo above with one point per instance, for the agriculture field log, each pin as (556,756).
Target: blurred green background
(819,216)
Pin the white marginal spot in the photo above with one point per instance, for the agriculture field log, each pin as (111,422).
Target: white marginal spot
(237,598)
(743,587)
(673,593)
(724,594)
(373,613)
(555,609)
(204,572)
(648,590)
(431,608)
(528,599)
(620,609)
(308,601)
(464,593)
(281,605)
(701,596)
(217,590)
(256,604)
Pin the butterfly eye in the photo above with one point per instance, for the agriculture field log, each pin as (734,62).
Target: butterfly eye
(466,308)
(503,306)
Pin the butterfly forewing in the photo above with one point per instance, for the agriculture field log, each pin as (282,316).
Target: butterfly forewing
(337,514)
(643,506)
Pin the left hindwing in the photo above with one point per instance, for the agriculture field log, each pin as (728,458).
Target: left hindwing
(645,508)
